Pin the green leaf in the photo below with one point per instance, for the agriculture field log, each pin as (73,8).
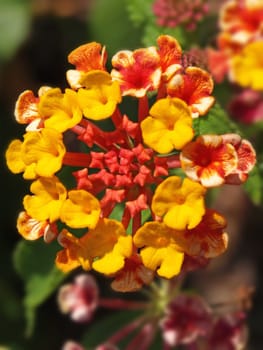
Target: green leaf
(34,262)
(215,122)
(152,31)
(139,11)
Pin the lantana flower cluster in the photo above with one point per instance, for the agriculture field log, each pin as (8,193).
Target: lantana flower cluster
(171,13)
(239,44)
(123,191)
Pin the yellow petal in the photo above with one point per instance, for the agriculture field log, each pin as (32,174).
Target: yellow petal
(113,261)
(47,200)
(169,125)
(14,157)
(80,210)
(168,259)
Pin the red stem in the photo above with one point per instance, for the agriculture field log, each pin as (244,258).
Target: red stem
(162,90)
(76,159)
(136,222)
(117,118)
(126,217)
(143,109)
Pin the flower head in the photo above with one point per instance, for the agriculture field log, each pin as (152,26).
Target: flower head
(121,207)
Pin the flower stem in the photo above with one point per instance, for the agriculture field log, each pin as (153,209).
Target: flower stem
(76,159)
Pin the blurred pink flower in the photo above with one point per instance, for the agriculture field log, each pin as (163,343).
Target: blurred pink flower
(187,317)
(247,106)
(80,298)
(170,13)
(228,333)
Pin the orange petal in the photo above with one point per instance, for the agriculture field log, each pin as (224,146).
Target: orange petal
(88,57)
(26,108)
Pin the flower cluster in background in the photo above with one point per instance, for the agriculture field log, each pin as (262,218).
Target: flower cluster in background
(237,57)
(239,44)
(132,202)
(172,13)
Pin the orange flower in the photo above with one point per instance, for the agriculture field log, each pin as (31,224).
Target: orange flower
(243,19)
(195,88)
(132,276)
(209,160)
(246,159)
(87,57)
(216,159)
(26,109)
(170,53)
(138,71)
(208,238)
(32,229)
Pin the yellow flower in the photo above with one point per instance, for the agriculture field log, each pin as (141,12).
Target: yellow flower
(100,96)
(60,111)
(169,125)
(180,203)
(48,197)
(159,248)
(40,154)
(80,210)
(103,248)
(247,67)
